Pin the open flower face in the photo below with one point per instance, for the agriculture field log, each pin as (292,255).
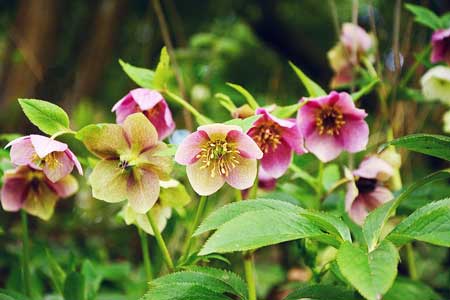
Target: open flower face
(331,124)
(30,189)
(46,154)
(152,105)
(436,84)
(130,167)
(440,41)
(216,153)
(277,139)
(365,190)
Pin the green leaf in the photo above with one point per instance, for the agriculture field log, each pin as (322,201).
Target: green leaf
(93,279)
(74,287)
(430,144)
(373,273)
(226,102)
(329,223)
(430,224)
(248,97)
(163,71)
(57,274)
(365,90)
(48,117)
(169,151)
(286,111)
(245,124)
(404,288)
(11,295)
(375,221)
(314,90)
(424,16)
(182,291)
(141,76)
(321,292)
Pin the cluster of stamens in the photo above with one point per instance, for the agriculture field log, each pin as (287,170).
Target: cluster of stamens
(123,164)
(218,156)
(329,120)
(267,137)
(51,161)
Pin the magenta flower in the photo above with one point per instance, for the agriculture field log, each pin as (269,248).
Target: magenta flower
(30,189)
(277,139)
(266,181)
(355,38)
(440,40)
(152,104)
(331,124)
(42,153)
(219,153)
(365,190)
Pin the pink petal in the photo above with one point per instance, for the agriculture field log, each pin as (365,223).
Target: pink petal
(347,107)
(161,118)
(439,41)
(268,116)
(143,190)
(243,175)
(358,212)
(146,99)
(190,147)
(61,167)
(14,192)
(377,197)
(355,37)
(374,167)
(201,180)
(217,130)
(294,138)
(354,135)
(75,161)
(22,151)
(44,145)
(266,181)
(125,107)
(325,147)
(245,144)
(352,191)
(306,117)
(277,162)
(65,187)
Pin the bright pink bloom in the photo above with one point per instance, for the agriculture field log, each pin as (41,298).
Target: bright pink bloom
(219,153)
(355,38)
(365,190)
(152,104)
(331,124)
(440,40)
(31,190)
(43,153)
(277,138)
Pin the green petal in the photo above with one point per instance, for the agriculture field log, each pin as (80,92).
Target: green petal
(160,214)
(151,161)
(174,196)
(140,132)
(41,203)
(143,190)
(108,181)
(104,140)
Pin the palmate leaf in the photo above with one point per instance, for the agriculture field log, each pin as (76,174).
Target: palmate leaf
(245,124)
(321,292)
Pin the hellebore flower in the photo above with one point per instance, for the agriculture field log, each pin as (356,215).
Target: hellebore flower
(365,189)
(152,105)
(436,84)
(331,124)
(130,167)
(219,153)
(30,189)
(277,139)
(440,41)
(355,38)
(266,181)
(42,153)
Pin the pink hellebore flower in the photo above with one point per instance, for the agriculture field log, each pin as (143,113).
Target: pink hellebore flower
(277,139)
(216,153)
(42,153)
(365,190)
(440,40)
(331,124)
(355,38)
(152,104)
(30,189)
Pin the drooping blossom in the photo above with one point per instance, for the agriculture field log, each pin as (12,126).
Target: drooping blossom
(331,124)
(440,41)
(266,181)
(277,139)
(31,190)
(42,153)
(436,84)
(366,188)
(152,105)
(355,39)
(130,166)
(219,153)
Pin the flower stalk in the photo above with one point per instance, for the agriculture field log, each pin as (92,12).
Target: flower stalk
(198,215)
(25,254)
(161,243)
(145,254)
(249,269)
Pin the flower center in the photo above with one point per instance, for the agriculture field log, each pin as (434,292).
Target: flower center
(124,164)
(51,160)
(366,185)
(329,120)
(219,156)
(267,137)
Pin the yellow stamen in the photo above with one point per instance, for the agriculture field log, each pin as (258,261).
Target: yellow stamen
(329,120)
(219,156)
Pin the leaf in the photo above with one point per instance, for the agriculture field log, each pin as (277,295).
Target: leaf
(169,151)
(365,90)
(226,102)
(404,288)
(74,287)
(286,111)
(329,223)
(424,16)
(321,292)
(163,71)
(314,90)
(248,97)
(376,219)
(93,279)
(245,124)
(57,274)
(141,76)
(11,295)
(430,144)
(373,273)
(430,224)
(48,117)
(182,291)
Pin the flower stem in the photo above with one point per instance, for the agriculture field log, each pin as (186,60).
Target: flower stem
(254,189)
(198,215)
(25,254)
(238,194)
(201,119)
(146,254)
(161,244)
(411,262)
(249,267)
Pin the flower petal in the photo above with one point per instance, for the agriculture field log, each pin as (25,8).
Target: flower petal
(161,117)
(358,211)
(65,187)
(108,181)
(140,132)
(41,202)
(243,175)
(151,161)
(377,197)
(294,138)
(190,147)
(325,147)
(201,180)
(60,166)
(14,191)
(347,107)
(374,167)
(125,107)
(44,145)
(143,190)
(354,135)
(277,162)
(104,140)
(145,98)
(245,144)
(267,116)
(352,190)
(22,151)
(75,161)
(218,130)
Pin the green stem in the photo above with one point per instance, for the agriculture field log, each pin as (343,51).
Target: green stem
(161,244)
(25,254)
(238,194)
(146,254)
(66,131)
(411,262)
(320,180)
(201,119)
(254,189)
(249,267)
(417,63)
(305,176)
(198,215)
